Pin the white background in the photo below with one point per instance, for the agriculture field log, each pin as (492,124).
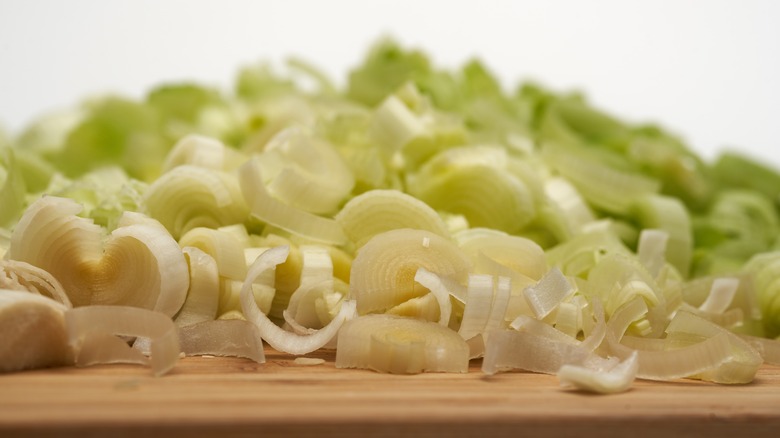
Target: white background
(707,70)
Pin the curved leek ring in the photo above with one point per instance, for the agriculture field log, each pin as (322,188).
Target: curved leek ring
(203,295)
(392,344)
(140,264)
(23,276)
(34,333)
(377,211)
(101,322)
(187,197)
(474,182)
(226,249)
(201,151)
(383,272)
(305,172)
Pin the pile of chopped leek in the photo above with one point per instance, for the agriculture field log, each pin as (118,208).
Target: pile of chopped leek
(414,221)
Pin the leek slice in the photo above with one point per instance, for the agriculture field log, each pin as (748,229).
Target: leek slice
(89,327)
(604,376)
(188,196)
(479,300)
(202,299)
(721,295)
(317,288)
(23,276)
(440,290)
(305,172)
(202,151)
(377,211)
(226,250)
(550,291)
(383,272)
(268,209)
(474,182)
(235,338)
(393,344)
(139,265)
(34,332)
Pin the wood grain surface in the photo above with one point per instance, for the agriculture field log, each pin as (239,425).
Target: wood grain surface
(206,396)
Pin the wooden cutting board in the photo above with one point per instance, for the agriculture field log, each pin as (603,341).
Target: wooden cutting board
(224,397)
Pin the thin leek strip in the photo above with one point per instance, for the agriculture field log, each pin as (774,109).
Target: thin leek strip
(621,320)
(603,376)
(731,318)
(316,281)
(203,295)
(499,305)
(234,338)
(721,295)
(280,339)
(535,327)
(153,272)
(439,290)
(510,349)
(268,209)
(377,211)
(287,276)
(551,290)
(34,332)
(668,214)
(619,277)
(105,348)
(303,308)
(674,363)
(769,349)
(568,318)
(393,344)
(479,300)
(577,256)
(226,250)
(684,361)
(598,332)
(262,289)
(85,322)
(18,275)
(382,274)
(743,362)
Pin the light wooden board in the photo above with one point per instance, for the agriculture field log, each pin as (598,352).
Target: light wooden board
(235,397)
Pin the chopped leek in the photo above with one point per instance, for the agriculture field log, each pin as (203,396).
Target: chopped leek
(456,219)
